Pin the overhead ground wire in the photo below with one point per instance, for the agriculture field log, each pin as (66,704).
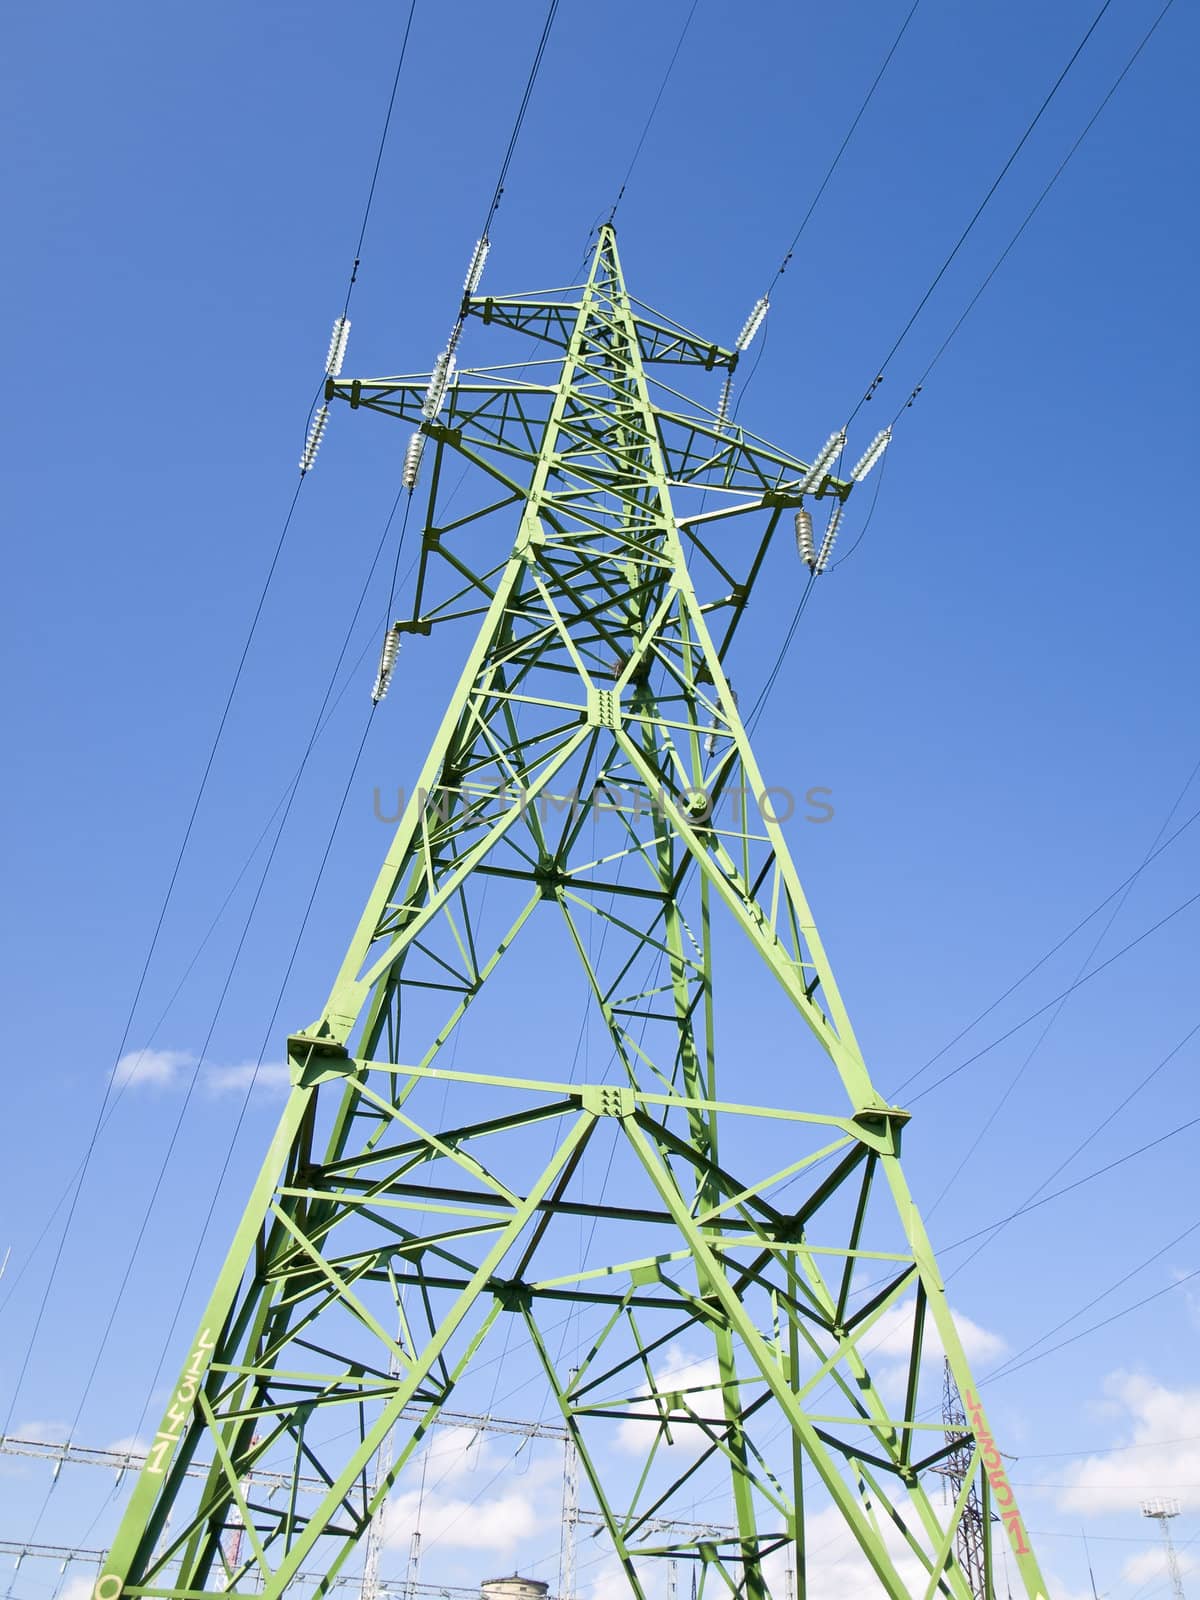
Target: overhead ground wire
(519,120)
(653,112)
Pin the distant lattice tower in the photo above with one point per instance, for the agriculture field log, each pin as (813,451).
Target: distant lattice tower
(960,1442)
(1161,1511)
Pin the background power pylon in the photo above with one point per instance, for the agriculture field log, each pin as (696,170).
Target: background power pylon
(971,1539)
(1162,1511)
(591,773)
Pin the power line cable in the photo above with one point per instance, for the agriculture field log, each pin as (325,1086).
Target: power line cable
(383,137)
(755,713)
(94,1133)
(1016,1365)
(312,739)
(646,126)
(1105,1450)
(983,204)
(15,1278)
(1032,1198)
(519,120)
(1078,1183)
(195,808)
(149,1209)
(1042,959)
(1037,205)
(1042,1009)
(497,194)
(841,150)
(1011,1087)
(824,184)
(867,520)
(268,1033)
(245,1102)
(996,265)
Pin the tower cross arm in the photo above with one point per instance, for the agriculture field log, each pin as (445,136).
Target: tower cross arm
(725,456)
(402,396)
(553,321)
(491,402)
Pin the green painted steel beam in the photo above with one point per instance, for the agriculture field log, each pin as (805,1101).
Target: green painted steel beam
(591,776)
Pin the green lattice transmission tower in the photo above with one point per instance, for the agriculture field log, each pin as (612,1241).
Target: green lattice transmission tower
(694,1242)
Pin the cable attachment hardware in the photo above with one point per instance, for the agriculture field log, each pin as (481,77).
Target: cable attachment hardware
(752,324)
(871,454)
(831,533)
(312,444)
(804,537)
(829,450)
(723,403)
(387,664)
(338,340)
(412,461)
(475,270)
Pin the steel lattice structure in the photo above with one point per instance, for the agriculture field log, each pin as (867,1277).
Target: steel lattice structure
(746,1252)
(970,1538)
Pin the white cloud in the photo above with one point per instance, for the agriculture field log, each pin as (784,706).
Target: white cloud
(166,1069)
(1163,1427)
(1149,1564)
(891,1337)
(42,1431)
(236,1080)
(472,1492)
(696,1381)
(836,1564)
(157,1069)
(499,1522)
(78,1588)
(454,1453)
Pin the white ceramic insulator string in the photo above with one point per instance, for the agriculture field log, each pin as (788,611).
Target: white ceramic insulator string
(439,382)
(312,444)
(475,270)
(871,454)
(752,324)
(831,533)
(825,458)
(387,664)
(337,347)
(723,402)
(412,461)
(804,537)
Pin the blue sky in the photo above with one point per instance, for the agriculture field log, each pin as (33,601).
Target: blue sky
(998,687)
